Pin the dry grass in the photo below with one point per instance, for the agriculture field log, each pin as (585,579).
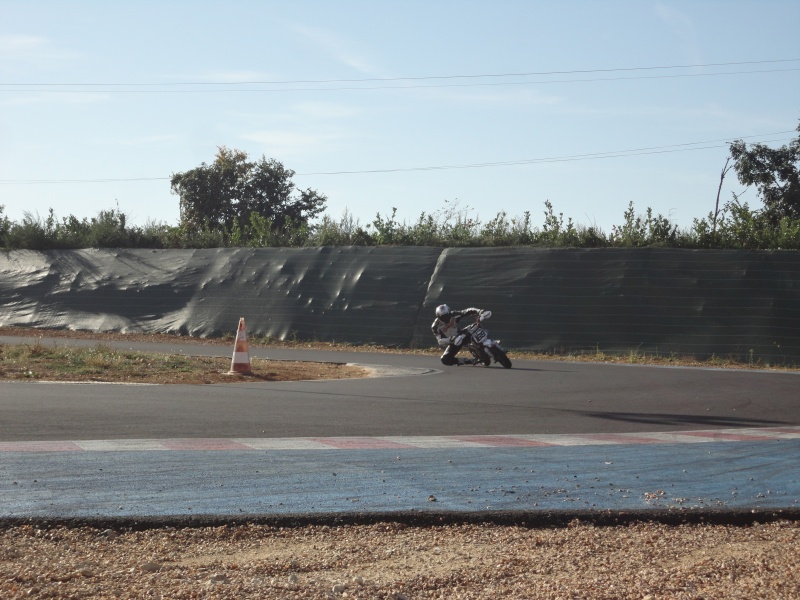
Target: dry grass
(40,361)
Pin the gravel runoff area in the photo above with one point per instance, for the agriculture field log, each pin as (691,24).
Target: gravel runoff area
(757,557)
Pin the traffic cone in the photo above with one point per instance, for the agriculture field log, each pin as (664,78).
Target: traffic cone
(241,355)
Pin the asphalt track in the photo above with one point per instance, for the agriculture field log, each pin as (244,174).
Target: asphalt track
(544,437)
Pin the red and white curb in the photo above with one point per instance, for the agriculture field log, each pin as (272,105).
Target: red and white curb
(759,434)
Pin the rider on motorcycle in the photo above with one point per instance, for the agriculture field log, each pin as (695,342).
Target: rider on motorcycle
(445,328)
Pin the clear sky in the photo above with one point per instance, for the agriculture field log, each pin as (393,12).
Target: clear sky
(416,104)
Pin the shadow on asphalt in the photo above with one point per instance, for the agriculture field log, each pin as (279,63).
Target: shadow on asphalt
(676,419)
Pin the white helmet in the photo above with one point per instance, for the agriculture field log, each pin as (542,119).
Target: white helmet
(443,312)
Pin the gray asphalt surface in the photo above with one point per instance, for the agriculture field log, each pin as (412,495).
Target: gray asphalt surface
(532,397)
(422,398)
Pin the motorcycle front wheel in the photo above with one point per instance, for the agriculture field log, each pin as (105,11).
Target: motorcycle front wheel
(501,357)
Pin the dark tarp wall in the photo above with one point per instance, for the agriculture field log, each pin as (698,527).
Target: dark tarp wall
(698,302)
(614,300)
(359,295)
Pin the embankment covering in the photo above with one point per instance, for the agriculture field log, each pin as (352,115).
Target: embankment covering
(700,302)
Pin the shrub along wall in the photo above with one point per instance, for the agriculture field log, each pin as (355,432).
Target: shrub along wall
(700,302)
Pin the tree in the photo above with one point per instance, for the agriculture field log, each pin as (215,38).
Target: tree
(5,224)
(231,190)
(774,172)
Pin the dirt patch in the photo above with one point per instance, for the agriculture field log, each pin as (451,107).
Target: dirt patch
(42,360)
(206,371)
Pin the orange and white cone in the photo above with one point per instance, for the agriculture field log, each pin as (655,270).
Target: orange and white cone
(241,355)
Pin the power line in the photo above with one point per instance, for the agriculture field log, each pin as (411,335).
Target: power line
(685,147)
(106,180)
(569,158)
(396,87)
(417,78)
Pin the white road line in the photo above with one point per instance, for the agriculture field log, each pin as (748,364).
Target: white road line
(401,443)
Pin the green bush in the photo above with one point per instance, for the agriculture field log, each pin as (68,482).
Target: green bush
(736,226)
(739,227)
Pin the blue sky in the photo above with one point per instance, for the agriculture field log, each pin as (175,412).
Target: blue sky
(588,104)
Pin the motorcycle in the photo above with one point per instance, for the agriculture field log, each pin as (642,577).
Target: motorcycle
(481,346)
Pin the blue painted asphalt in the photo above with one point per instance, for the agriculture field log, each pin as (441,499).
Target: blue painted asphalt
(717,475)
